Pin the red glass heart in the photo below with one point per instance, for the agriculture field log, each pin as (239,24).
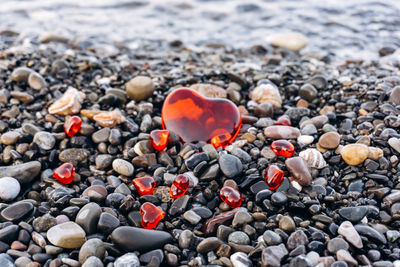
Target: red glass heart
(196,118)
(284,120)
(72,125)
(64,173)
(151,215)
(144,185)
(283,148)
(159,139)
(231,196)
(274,177)
(179,186)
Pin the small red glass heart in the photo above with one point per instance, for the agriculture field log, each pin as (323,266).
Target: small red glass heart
(179,186)
(144,185)
(196,118)
(284,120)
(283,148)
(72,125)
(64,173)
(231,196)
(274,177)
(151,215)
(159,139)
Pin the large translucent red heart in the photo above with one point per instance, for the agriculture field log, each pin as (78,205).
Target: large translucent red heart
(196,118)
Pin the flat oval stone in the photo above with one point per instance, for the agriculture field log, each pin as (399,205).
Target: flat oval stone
(329,140)
(88,217)
(74,155)
(354,154)
(281,132)
(298,168)
(353,214)
(24,172)
(133,238)
(67,235)
(17,211)
(123,167)
(9,188)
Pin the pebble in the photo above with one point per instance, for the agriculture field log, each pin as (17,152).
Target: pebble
(394,143)
(240,259)
(92,247)
(123,167)
(347,230)
(101,135)
(241,218)
(93,261)
(191,217)
(273,255)
(67,235)
(344,255)
(21,74)
(296,239)
(10,138)
(129,259)
(95,192)
(354,154)
(292,40)
(336,244)
(44,223)
(395,95)
(267,93)
(305,139)
(298,168)
(36,81)
(329,140)
(185,238)
(9,188)
(44,140)
(17,211)
(230,165)
(353,214)
(271,238)
(88,217)
(208,244)
(107,223)
(281,132)
(239,237)
(140,88)
(24,172)
(133,238)
(103,161)
(308,92)
(209,90)
(287,224)
(74,155)
(370,233)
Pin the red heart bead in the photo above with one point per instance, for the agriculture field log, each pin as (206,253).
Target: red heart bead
(64,173)
(283,120)
(179,186)
(144,185)
(274,177)
(72,125)
(283,148)
(231,196)
(196,118)
(151,215)
(159,139)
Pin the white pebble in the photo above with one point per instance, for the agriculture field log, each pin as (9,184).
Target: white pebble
(9,188)
(305,139)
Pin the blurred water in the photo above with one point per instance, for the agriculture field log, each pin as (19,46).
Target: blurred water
(351,28)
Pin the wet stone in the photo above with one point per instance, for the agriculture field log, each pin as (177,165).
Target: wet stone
(297,166)
(239,238)
(129,259)
(88,217)
(353,214)
(17,211)
(66,235)
(230,165)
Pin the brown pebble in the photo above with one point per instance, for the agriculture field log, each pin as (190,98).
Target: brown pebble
(298,168)
(329,140)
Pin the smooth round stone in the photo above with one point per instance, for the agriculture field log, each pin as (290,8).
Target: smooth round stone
(191,217)
(308,92)
(123,167)
(346,229)
(93,262)
(353,214)
(305,139)
(240,259)
(239,238)
(10,138)
(101,135)
(74,155)
(129,259)
(375,153)
(281,132)
(44,140)
(309,129)
(230,165)
(36,81)
(370,232)
(95,192)
(21,74)
(88,217)
(394,143)
(184,239)
(296,114)
(133,238)
(271,238)
(264,110)
(329,140)
(6,260)
(287,224)
(292,40)
(17,211)
(140,88)
(241,218)
(67,235)
(92,247)
(208,244)
(299,169)
(297,239)
(354,154)
(9,188)
(107,223)
(336,244)
(279,198)
(394,95)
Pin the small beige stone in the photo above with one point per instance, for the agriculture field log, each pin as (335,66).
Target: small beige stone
(209,90)
(375,153)
(10,138)
(329,140)
(286,223)
(66,235)
(354,154)
(267,93)
(344,255)
(140,88)
(347,230)
(292,40)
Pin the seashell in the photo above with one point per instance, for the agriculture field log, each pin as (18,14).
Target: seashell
(69,104)
(109,118)
(209,90)
(90,113)
(313,158)
(267,93)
